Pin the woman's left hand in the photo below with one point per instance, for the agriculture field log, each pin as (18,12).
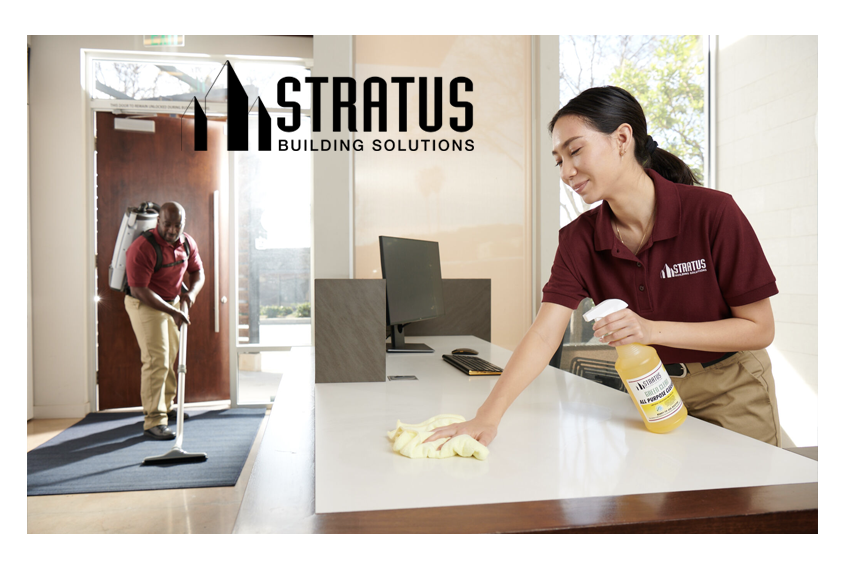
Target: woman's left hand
(623,327)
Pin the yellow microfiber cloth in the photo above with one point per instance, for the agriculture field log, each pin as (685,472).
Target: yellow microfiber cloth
(408,440)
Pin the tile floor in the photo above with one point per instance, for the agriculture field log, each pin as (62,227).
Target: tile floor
(210,510)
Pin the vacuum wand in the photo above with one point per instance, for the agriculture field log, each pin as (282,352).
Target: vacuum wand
(180,378)
(176,453)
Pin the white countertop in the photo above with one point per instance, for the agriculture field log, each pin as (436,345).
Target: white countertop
(564,437)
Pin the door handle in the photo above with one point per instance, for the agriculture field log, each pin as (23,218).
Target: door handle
(216,260)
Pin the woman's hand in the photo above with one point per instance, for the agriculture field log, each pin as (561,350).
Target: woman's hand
(476,428)
(623,327)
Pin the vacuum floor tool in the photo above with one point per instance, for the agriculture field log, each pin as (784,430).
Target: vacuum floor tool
(176,453)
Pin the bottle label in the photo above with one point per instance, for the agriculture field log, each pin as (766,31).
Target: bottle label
(656,394)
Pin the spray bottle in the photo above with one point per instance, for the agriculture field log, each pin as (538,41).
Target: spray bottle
(645,378)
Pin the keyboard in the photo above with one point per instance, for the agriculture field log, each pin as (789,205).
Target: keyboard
(472,365)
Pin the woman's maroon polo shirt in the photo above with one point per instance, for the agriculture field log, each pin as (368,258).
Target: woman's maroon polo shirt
(701,259)
(167,282)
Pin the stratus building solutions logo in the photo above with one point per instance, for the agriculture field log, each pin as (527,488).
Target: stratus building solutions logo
(683,269)
(237,114)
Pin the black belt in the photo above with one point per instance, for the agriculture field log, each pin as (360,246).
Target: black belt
(680,370)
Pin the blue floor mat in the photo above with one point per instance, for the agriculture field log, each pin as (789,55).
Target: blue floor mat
(104,453)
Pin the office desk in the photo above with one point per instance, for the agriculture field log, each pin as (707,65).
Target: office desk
(571,455)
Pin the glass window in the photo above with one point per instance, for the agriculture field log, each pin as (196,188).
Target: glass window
(665,73)
(273,191)
(274,242)
(181,81)
(144,80)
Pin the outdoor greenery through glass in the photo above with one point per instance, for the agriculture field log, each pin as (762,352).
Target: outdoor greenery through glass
(665,73)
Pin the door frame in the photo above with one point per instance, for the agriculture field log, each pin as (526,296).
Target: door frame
(92,106)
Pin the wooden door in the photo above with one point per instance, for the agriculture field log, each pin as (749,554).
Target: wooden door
(133,167)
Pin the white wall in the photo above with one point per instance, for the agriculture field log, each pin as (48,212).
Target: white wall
(767,116)
(332,172)
(62,208)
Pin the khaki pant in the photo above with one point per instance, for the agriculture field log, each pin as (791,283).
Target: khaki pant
(738,393)
(158,339)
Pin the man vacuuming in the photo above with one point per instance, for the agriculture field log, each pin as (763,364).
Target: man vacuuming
(155,266)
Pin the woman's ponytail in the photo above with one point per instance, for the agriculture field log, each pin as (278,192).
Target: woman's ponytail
(605,108)
(672,168)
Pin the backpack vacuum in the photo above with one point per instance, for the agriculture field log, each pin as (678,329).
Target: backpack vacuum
(135,222)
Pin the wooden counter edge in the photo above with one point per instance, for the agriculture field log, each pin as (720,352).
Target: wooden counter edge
(767,509)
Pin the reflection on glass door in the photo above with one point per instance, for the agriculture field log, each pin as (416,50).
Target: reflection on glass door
(274,261)
(259,374)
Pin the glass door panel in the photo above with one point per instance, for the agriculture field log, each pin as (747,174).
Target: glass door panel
(274,259)
(259,374)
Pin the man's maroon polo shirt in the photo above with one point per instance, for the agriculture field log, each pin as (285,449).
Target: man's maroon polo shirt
(701,259)
(167,282)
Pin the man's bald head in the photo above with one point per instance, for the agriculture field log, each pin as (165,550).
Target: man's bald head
(171,221)
(172,206)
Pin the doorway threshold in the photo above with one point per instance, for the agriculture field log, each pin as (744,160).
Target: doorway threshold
(225,404)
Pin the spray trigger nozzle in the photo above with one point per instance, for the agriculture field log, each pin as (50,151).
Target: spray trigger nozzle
(604,309)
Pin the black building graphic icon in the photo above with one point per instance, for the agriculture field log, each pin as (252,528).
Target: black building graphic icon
(237,118)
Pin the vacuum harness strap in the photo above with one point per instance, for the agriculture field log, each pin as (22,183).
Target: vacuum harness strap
(157,247)
(158,266)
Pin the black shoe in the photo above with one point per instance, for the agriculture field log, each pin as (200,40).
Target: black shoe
(171,416)
(160,432)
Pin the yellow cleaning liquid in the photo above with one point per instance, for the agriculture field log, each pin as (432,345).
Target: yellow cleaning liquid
(650,387)
(645,378)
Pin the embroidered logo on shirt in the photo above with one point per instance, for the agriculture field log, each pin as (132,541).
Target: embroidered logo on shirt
(683,269)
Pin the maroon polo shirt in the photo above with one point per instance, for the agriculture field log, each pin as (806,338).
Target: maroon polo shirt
(701,259)
(167,282)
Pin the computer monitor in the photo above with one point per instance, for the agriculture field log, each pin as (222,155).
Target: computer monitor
(411,270)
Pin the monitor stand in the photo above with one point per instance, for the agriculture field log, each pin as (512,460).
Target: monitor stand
(397,342)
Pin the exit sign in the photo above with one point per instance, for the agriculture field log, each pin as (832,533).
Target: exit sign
(164,41)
